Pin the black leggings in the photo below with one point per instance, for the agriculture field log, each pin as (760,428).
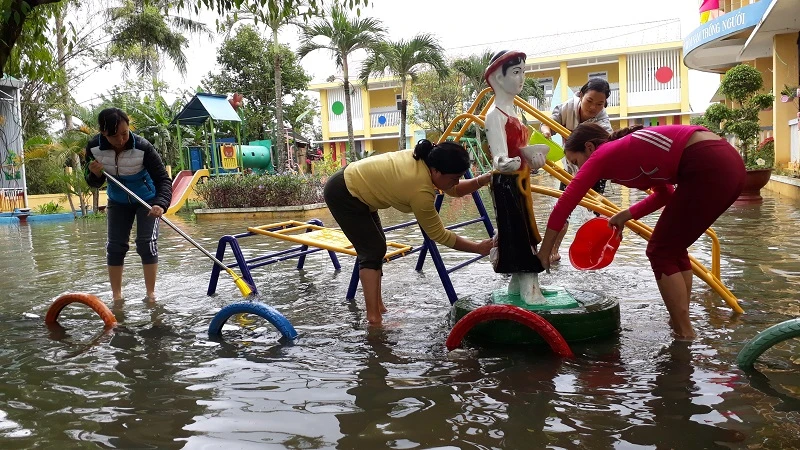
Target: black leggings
(361,226)
(120,223)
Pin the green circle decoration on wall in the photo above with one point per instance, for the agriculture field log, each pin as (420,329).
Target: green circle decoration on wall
(337,107)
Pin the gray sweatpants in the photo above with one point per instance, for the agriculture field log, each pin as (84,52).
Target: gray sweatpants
(120,223)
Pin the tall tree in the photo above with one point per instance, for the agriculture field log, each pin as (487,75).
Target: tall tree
(439,101)
(342,35)
(16,12)
(13,15)
(34,61)
(284,14)
(531,88)
(245,66)
(472,69)
(404,59)
(144,30)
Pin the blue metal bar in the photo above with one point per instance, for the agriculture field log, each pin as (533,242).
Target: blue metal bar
(401,225)
(441,269)
(465,263)
(241,263)
(274,260)
(351,289)
(463,224)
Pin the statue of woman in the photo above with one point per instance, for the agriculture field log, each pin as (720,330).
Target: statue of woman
(513,160)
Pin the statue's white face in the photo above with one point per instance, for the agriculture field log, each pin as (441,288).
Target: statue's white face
(512,82)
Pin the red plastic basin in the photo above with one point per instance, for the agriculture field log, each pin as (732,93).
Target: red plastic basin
(594,246)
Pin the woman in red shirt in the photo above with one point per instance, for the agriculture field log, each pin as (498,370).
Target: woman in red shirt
(709,174)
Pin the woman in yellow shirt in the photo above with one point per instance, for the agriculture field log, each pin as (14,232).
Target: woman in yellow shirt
(407,181)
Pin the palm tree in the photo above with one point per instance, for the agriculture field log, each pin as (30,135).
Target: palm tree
(144,30)
(343,36)
(472,69)
(532,88)
(66,150)
(276,18)
(404,59)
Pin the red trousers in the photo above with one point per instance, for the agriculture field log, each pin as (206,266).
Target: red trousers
(710,178)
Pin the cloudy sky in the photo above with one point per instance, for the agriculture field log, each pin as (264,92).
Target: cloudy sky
(458,27)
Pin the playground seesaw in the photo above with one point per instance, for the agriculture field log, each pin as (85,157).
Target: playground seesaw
(312,237)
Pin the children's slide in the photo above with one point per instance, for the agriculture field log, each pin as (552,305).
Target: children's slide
(182,188)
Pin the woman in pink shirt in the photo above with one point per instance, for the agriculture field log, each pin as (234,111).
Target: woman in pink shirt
(708,172)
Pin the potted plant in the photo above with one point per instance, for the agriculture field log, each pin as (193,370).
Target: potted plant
(741,86)
(791,94)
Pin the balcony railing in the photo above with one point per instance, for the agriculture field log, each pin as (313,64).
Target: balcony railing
(383,119)
(547,103)
(543,105)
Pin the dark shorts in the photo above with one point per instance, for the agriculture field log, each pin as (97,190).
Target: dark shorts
(361,226)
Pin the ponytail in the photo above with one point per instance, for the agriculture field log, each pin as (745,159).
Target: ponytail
(447,157)
(423,149)
(594,133)
(624,132)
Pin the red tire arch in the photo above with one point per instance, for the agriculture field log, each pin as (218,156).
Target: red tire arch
(509,312)
(89,300)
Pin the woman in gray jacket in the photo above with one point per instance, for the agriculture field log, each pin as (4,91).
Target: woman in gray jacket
(134,161)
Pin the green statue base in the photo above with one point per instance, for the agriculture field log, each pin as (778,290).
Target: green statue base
(577,315)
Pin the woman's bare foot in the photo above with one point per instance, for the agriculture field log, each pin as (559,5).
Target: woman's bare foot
(554,258)
(374,319)
(683,338)
(687,334)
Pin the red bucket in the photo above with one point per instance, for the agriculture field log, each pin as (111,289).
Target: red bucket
(594,246)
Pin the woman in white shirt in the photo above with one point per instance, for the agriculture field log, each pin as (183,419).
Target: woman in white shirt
(589,106)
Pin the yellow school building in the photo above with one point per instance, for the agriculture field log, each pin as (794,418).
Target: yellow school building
(763,34)
(643,64)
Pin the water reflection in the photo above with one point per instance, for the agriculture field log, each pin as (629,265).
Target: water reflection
(395,410)
(158,381)
(150,408)
(678,408)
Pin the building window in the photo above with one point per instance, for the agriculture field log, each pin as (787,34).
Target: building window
(546,85)
(603,75)
(398,101)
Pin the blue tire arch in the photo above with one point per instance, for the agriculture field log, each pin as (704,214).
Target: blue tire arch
(260,309)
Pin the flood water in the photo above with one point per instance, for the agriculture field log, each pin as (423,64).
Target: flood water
(158,381)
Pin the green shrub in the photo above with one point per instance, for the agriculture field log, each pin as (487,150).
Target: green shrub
(326,166)
(763,157)
(49,208)
(255,191)
(740,85)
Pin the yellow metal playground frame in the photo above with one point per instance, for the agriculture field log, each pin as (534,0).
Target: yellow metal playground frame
(592,200)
